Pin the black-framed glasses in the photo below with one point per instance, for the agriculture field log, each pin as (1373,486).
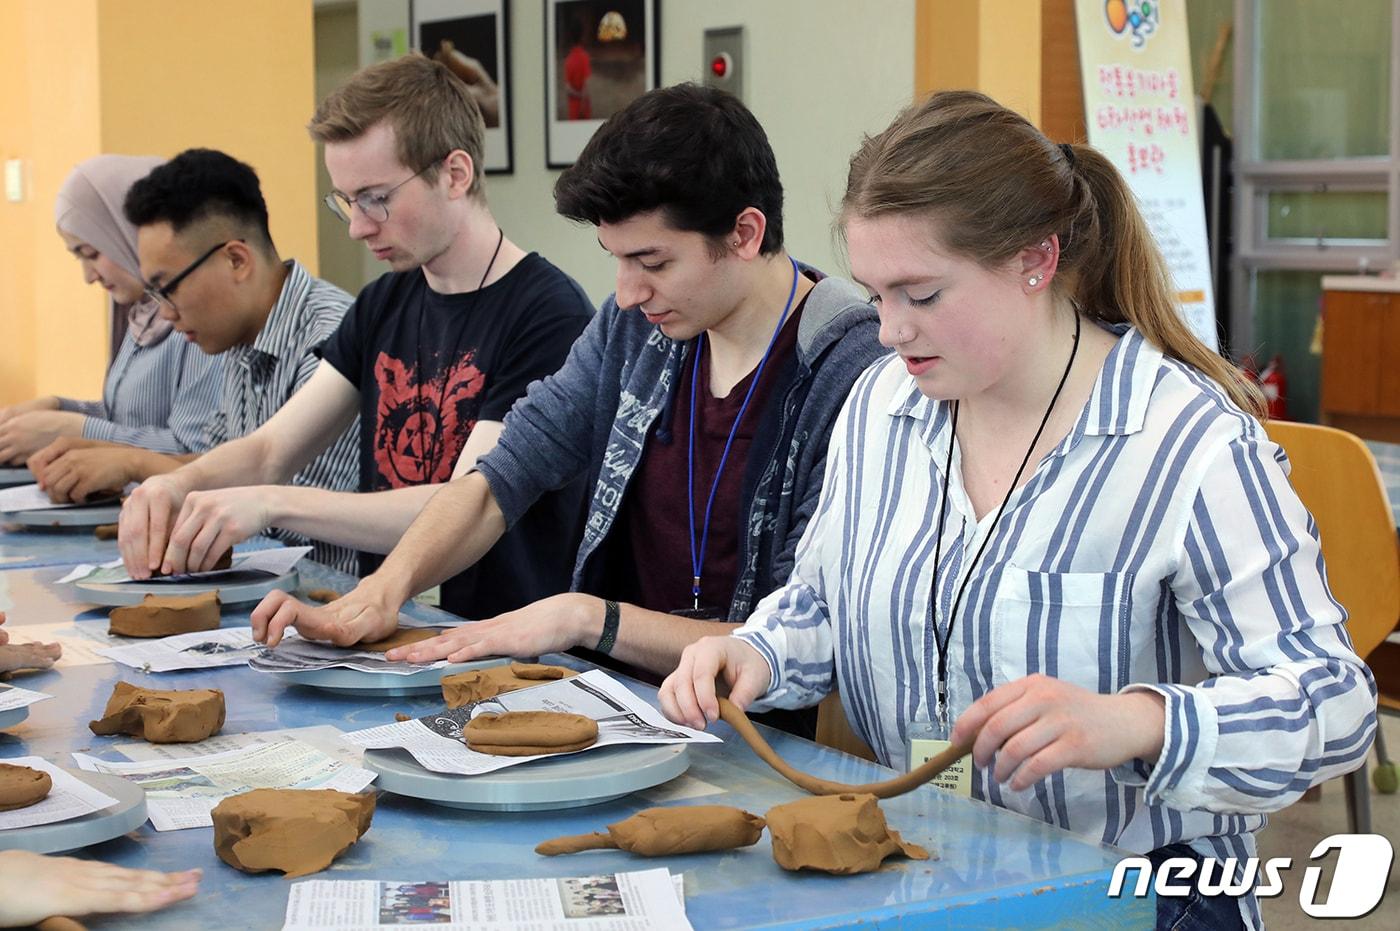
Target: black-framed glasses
(162,293)
(373,205)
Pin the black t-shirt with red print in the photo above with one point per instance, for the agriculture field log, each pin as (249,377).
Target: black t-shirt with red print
(428,366)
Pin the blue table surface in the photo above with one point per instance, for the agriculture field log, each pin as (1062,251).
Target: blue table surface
(992,868)
(33,547)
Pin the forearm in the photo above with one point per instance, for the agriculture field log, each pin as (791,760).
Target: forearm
(650,640)
(244,461)
(370,522)
(455,529)
(140,464)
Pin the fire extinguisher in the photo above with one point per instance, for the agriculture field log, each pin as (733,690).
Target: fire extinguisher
(1275,387)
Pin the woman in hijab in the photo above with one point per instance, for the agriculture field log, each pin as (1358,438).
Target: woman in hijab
(159,391)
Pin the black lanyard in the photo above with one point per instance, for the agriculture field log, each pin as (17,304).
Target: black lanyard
(942,643)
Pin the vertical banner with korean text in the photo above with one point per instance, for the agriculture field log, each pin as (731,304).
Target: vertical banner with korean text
(1134,56)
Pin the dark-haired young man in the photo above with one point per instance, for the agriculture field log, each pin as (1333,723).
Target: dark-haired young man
(698,403)
(207,256)
(431,356)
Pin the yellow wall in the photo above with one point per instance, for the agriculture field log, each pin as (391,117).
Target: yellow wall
(83,77)
(993,46)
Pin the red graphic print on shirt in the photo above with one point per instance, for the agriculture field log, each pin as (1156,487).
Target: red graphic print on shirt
(421,426)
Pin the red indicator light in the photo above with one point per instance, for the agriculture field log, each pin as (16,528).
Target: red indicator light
(719,65)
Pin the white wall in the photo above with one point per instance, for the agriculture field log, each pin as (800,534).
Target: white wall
(815,80)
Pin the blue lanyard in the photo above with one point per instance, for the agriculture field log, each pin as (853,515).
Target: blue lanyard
(697,554)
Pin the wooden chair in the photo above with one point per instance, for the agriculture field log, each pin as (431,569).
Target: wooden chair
(1336,477)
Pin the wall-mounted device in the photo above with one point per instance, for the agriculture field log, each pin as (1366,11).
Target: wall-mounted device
(723,66)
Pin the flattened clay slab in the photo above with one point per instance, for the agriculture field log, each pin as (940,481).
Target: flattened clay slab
(297,831)
(167,615)
(661,832)
(21,786)
(161,717)
(480,684)
(225,561)
(399,638)
(843,834)
(529,733)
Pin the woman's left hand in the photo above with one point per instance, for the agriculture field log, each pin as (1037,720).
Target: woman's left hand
(1036,726)
(547,626)
(25,434)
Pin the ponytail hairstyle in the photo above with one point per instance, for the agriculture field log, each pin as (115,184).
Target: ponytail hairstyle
(995,184)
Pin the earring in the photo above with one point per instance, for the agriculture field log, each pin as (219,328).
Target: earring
(1033,280)
(1045,244)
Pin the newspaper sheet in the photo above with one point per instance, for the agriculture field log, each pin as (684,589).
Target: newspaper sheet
(435,740)
(31,498)
(204,649)
(274,562)
(180,793)
(324,737)
(633,901)
(294,654)
(80,642)
(69,798)
(12,697)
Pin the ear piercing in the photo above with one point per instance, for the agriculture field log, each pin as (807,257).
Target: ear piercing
(1033,280)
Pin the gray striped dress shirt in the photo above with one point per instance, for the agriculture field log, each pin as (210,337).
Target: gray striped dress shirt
(1159,546)
(260,378)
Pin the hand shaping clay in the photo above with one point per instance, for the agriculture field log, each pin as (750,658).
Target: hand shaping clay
(842,834)
(297,831)
(660,832)
(324,595)
(224,561)
(105,531)
(401,637)
(166,615)
(478,685)
(161,717)
(21,786)
(529,733)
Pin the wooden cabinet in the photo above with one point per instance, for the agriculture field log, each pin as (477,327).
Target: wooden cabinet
(1361,357)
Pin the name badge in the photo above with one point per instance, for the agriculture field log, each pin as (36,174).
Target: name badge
(432,597)
(956,778)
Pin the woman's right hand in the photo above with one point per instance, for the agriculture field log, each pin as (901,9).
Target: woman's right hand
(688,694)
(49,403)
(35,887)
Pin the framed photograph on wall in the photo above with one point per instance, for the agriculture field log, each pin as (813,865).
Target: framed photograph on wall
(472,37)
(599,56)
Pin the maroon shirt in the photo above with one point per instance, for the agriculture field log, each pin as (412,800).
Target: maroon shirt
(653,526)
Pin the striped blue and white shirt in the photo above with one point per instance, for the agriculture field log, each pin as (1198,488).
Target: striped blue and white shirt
(157,397)
(262,376)
(1159,546)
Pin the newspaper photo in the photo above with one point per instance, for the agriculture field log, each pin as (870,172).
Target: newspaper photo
(69,798)
(633,901)
(12,697)
(33,498)
(180,793)
(294,654)
(205,649)
(273,562)
(435,740)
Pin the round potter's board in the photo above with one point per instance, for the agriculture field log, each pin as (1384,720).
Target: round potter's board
(233,588)
(87,516)
(20,476)
(103,825)
(379,684)
(589,778)
(13,716)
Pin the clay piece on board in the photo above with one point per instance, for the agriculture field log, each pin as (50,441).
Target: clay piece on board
(225,561)
(843,834)
(166,615)
(297,831)
(463,688)
(529,733)
(324,595)
(661,832)
(401,637)
(105,531)
(161,717)
(21,786)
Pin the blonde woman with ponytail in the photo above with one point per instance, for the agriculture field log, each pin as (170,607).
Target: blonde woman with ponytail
(1132,626)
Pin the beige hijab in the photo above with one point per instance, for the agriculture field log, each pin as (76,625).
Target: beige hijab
(89,206)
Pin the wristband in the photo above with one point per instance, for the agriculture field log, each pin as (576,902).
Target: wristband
(612,614)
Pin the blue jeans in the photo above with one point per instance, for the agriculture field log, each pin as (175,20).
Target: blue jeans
(1193,912)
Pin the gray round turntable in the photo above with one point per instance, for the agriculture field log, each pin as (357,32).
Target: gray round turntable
(233,588)
(90,515)
(16,476)
(379,684)
(588,778)
(13,716)
(94,828)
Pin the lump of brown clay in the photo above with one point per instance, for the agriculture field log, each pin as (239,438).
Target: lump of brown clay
(225,561)
(21,786)
(105,531)
(161,717)
(529,733)
(324,595)
(480,684)
(842,834)
(297,831)
(661,832)
(167,615)
(401,637)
